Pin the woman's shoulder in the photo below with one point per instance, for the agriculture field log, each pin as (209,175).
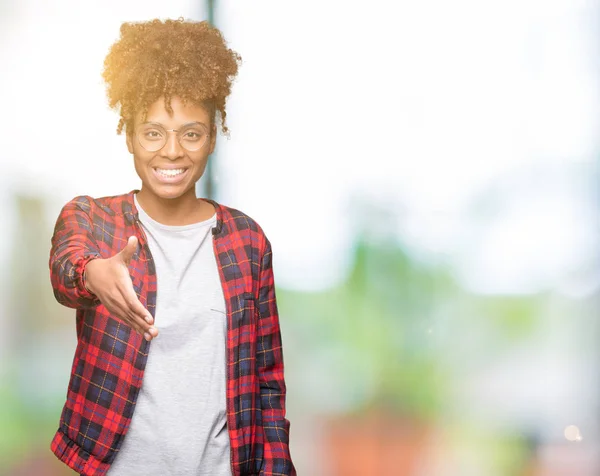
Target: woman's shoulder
(237,221)
(108,204)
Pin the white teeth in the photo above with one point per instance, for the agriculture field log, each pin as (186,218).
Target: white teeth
(170,172)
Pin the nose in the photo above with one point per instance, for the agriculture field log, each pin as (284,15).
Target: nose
(172,150)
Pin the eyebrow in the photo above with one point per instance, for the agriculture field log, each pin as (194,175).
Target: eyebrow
(180,127)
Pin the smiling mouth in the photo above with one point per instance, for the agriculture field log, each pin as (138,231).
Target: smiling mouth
(170,173)
(170,176)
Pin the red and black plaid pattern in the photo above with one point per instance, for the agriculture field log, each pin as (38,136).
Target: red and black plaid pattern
(110,357)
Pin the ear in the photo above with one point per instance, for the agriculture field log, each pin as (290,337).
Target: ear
(129,142)
(213,138)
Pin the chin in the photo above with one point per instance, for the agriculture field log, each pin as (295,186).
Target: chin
(172,194)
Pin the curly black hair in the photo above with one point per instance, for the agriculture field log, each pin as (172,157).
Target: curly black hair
(169,58)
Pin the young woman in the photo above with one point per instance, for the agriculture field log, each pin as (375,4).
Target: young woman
(178,368)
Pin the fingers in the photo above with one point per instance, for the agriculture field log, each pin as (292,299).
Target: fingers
(137,309)
(127,253)
(135,312)
(139,316)
(142,320)
(124,304)
(137,323)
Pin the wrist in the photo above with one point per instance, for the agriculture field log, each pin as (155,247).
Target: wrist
(85,278)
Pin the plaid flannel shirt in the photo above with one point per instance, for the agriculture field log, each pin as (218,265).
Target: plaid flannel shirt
(110,357)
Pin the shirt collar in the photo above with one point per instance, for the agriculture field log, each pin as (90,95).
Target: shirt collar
(131,214)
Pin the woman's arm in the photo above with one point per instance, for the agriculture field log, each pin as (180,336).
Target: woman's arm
(73,246)
(277,460)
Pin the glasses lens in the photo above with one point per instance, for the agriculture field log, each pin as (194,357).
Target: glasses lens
(152,137)
(193,137)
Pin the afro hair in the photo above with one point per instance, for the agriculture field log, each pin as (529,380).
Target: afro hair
(169,58)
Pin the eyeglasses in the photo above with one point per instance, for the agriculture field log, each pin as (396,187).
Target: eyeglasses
(153,137)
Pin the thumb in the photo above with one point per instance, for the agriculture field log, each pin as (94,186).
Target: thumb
(127,252)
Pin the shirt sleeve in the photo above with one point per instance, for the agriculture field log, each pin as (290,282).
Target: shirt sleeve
(73,246)
(277,460)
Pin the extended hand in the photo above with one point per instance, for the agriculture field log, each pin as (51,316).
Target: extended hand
(109,280)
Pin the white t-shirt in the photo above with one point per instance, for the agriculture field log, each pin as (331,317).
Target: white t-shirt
(179,423)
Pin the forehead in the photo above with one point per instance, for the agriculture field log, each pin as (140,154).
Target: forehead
(181,113)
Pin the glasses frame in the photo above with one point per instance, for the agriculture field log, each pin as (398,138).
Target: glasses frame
(138,131)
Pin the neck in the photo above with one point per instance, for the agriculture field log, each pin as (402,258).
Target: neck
(183,210)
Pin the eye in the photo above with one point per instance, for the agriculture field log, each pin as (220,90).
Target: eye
(153,134)
(193,135)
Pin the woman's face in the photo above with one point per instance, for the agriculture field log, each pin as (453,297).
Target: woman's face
(171,171)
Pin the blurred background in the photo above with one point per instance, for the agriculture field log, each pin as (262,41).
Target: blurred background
(427,174)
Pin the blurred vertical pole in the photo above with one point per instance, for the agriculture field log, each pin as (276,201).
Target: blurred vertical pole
(209,179)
